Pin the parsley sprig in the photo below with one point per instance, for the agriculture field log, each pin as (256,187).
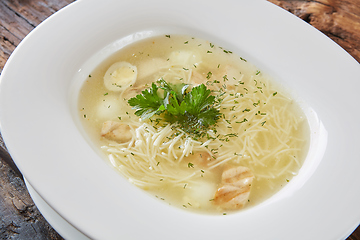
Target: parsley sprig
(192,111)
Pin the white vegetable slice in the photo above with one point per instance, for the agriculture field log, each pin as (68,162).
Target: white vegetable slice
(120,75)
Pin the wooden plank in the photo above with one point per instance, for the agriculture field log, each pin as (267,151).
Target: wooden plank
(13,23)
(8,42)
(35,12)
(18,18)
(19,217)
(338,19)
(13,29)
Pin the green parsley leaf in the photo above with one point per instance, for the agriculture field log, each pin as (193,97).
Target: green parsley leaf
(192,111)
(148,103)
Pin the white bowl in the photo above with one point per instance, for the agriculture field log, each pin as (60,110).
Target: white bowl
(40,125)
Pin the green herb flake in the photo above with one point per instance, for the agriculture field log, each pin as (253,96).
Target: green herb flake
(257,103)
(168,36)
(243,59)
(245,120)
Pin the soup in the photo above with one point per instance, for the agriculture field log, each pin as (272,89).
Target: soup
(194,124)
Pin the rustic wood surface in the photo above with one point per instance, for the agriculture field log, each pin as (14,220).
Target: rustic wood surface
(19,217)
(338,19)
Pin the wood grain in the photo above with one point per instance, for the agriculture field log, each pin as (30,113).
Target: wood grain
(19,17)
(19,217)
(338,19)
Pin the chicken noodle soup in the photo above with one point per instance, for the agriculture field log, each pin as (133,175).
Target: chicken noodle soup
(194,124)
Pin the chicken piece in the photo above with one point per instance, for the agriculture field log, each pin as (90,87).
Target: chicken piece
(116,131)
(231,197)
(235,189)
(199,158)
(198,78)
(237,176)
(232,76)
(133,91)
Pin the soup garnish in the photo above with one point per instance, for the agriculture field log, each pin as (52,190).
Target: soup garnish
(192,111)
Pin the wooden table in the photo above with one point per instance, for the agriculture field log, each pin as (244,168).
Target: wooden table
(19,217)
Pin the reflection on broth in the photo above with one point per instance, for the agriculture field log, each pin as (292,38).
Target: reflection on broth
(192,123)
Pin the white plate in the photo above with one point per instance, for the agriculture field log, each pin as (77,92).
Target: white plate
(39,123)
